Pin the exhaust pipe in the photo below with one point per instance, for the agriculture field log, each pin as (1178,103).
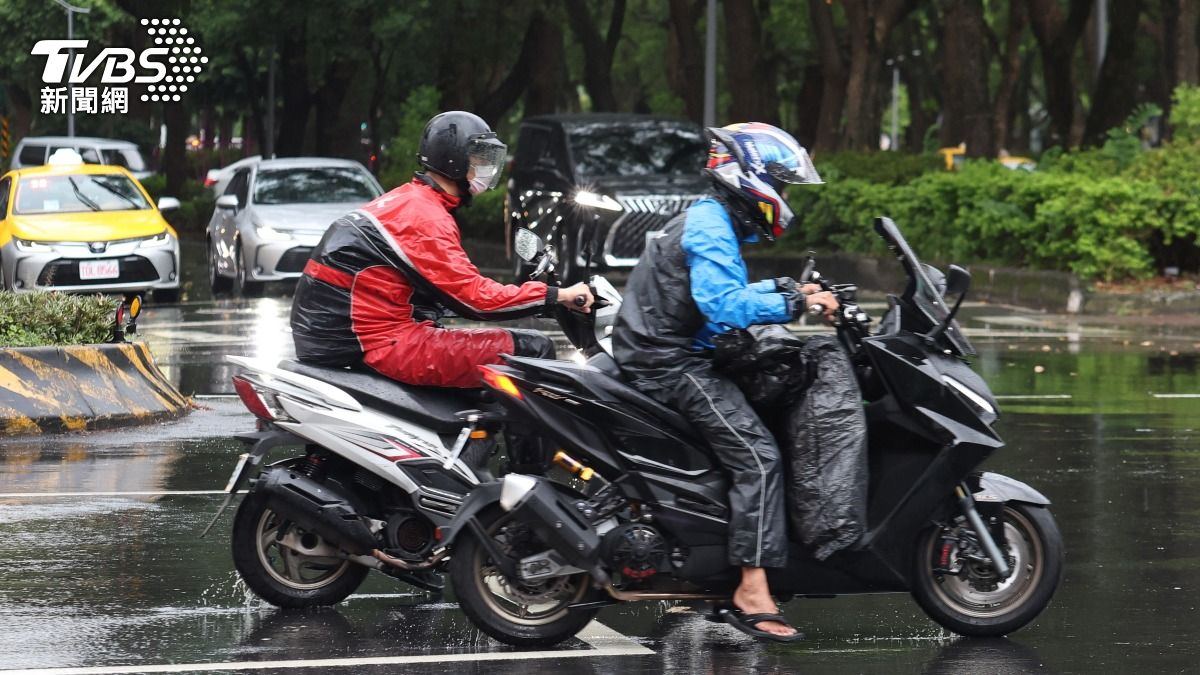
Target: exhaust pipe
(317,508)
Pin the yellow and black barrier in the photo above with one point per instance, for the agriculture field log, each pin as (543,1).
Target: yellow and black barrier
(50,389)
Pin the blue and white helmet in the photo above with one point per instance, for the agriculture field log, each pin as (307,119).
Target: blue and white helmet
(754,161)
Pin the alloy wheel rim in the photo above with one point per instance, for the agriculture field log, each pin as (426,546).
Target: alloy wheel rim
(290,568)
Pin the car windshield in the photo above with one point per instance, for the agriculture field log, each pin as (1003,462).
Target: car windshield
(637,148)
(313,185)
(78,192)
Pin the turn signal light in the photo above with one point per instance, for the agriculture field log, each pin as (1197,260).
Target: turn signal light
(497,380)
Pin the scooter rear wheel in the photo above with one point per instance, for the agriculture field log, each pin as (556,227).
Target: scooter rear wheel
(975,602)
(512,611)
(283,576)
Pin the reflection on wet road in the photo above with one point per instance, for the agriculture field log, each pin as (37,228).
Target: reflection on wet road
(103,567)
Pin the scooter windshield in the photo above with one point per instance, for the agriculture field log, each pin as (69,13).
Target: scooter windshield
(922,293)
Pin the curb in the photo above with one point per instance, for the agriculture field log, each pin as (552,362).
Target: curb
(51,389)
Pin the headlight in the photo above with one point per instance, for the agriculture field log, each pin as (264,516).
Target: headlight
(161,239)
(26,245)
(269,234)
(979,401)
(596,201)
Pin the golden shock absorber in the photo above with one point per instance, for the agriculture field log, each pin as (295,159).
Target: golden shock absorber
(577,468)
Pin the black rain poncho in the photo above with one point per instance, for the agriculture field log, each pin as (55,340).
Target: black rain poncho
(806,390)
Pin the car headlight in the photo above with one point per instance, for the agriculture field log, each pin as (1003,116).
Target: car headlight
(266,232)
(161,239)
(597,201)
(979,401)
(27,245)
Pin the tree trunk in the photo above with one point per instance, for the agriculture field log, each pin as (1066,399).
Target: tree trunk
(226,130)
(328,99)
(833,78)
(870,23)
(597,51)
(685,57)
(966,113)
(1187,54)
(174,163)
(546,73)
(208,125)
(1057,38)
(496,103)
(293,83)
(1115,93)
(750,66)
(1010,74)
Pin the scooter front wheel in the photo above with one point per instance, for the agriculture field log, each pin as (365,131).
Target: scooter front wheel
(516,612)
(958,588)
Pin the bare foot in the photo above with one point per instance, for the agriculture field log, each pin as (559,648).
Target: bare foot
(754,597)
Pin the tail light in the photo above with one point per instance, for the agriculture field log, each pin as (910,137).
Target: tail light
(263,405)
(209,182)
(498,380)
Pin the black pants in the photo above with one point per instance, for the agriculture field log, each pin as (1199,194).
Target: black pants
(747,452)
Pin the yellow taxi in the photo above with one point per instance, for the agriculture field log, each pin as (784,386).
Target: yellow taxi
(70,226)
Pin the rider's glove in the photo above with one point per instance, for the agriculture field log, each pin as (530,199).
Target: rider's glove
(795,303)
(785,285)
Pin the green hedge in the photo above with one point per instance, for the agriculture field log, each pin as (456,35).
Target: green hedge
(1081,213)
(37,319)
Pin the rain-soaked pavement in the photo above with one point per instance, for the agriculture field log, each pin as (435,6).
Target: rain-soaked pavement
(102,570)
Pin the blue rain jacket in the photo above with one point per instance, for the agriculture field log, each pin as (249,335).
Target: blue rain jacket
(719,280)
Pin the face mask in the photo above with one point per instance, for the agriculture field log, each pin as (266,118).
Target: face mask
(483,177)
(477,185)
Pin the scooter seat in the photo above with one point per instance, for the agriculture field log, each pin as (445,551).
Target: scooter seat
(622,390)
(435,408)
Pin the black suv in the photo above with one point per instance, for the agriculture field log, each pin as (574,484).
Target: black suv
(611,179)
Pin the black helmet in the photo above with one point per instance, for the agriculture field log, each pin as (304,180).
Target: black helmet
(454,142)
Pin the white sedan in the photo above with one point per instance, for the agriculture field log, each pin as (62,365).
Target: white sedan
(273,212)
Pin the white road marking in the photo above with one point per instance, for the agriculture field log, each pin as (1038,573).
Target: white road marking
(603,640)
(1175,395)
(1032,397)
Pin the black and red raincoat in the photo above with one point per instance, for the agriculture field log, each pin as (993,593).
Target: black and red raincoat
(381,278)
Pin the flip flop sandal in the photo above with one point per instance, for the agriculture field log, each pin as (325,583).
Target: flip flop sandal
(747,622)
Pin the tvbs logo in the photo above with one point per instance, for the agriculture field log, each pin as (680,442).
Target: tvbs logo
(117,63)
(167,67)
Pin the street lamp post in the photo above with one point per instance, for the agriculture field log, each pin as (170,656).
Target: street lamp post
(710,66)
(72,10)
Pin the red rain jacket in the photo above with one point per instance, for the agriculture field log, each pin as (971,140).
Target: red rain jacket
(380,279)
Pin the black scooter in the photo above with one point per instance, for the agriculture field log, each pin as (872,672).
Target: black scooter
(645,517)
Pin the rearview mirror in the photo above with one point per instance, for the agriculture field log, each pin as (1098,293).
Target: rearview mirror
(227,202)
(168,203)
(526,244)
(958,281)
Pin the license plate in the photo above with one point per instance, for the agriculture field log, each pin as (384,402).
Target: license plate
(237,471)
(99,269)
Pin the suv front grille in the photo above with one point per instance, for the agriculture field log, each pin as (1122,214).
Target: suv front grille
(627,236)
(65,272)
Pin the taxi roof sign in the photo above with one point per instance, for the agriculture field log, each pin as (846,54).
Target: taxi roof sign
(64,157)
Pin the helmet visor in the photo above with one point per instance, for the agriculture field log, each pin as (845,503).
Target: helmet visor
(799,170)
(486,159)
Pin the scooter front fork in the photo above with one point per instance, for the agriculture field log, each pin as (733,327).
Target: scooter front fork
(967,503)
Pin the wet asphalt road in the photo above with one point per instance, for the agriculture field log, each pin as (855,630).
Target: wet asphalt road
(103,571)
